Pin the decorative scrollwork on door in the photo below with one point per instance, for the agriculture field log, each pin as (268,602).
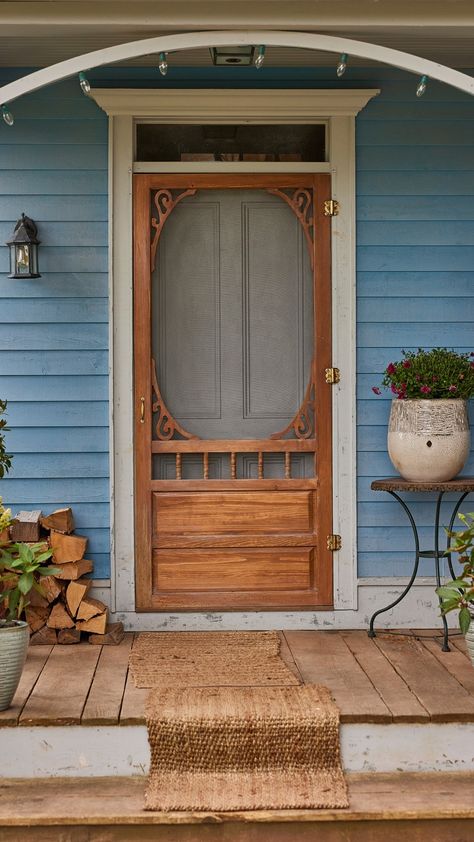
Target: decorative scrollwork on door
(301,203)
(165,425)
(165,204)
(302,424)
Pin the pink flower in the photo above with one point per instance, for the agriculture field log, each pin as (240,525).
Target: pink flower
(394,389)
(406,364)
(391,368)
(376,390)
(417,377)
(452,388)
(434,379)
(425,389)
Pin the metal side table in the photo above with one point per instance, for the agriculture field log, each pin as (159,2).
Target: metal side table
(392,485)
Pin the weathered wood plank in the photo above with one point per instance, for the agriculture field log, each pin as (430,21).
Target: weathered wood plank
(404,706)
(455,662)
(108,685)
(114,802)
(35,661)
(441,694)
(324,658)
(133,703)
(59,696)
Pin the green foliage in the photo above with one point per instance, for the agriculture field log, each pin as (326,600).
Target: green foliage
(21,569)
(459,594)
(438,373)
(5,516)
(5,458)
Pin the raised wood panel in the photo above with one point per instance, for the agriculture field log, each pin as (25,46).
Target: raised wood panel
(232,569)
(252,512)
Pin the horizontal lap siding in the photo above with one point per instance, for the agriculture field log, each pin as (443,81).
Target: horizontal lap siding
(415,280)
(54,331)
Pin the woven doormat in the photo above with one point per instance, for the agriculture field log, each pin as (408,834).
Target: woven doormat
(252,748)
(209,659)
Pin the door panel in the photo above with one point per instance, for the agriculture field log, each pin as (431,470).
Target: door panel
(233,423)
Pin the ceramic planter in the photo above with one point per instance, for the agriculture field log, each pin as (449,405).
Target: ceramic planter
(428,440)
(13,647)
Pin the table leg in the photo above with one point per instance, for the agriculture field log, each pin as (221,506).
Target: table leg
(371,632)
(445,646)
(450,529)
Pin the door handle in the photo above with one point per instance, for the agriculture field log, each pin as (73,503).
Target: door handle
(142,410)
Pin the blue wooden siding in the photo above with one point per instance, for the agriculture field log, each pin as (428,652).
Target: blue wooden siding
(54,331)
(415,279)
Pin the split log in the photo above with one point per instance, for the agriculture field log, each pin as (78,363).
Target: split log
(69,636)
(75,593)
(43,637)
(59,618)
(36,616)
(97,624)
(74,569)
(37,600)
(26,527)
(50,587)
(61,520)
(90,607)
(67,548)
(114,634)
(5,536)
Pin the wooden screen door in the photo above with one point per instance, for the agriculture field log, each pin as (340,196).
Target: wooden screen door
(232,327)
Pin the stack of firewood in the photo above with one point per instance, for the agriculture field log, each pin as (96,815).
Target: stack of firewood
(65,611)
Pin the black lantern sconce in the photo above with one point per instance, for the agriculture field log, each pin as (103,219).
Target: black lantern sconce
(24,249)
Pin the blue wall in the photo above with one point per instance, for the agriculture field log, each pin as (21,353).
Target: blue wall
(415,259)
(53,330)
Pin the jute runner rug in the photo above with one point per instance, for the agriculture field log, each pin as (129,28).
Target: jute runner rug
(231,728)
(209,659)
(255,748)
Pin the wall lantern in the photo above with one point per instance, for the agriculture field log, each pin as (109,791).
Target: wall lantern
(24,250)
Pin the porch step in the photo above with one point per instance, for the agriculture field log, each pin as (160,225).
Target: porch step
(425,807)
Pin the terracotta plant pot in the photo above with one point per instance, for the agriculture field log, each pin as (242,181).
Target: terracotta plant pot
(428,440)
(14,639)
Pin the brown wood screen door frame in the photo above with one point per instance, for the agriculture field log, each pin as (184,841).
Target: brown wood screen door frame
(278,524)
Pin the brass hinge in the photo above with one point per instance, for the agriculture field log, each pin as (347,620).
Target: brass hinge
(331,207)
(332,375)
(334,543)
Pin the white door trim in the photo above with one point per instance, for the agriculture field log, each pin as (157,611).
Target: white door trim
(342,167)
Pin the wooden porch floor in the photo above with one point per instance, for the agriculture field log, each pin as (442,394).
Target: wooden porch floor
(393,678)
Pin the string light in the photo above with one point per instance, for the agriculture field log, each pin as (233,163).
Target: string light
(260,57)
(341,67)
(85,84)
(163,65)
(422,86)
(7,115)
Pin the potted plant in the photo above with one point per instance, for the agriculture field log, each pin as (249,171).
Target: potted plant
(21,569)
(428,432)
(458,595)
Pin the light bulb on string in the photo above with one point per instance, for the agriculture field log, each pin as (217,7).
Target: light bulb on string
(7,115)
(341,67)
(163,65)
(85,84)
(260,57)
(422,86)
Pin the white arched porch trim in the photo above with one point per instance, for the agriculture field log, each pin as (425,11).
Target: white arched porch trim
(190,40)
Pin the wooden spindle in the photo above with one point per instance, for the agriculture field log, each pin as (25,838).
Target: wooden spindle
(233,466)
(178,466)
(260,465)
(287,465)
(205,459)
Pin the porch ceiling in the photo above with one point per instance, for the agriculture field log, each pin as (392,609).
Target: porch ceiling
(39,33)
